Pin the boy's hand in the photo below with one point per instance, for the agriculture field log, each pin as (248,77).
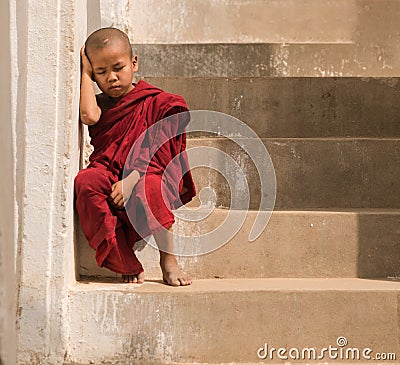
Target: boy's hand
(86,65)
(116,197)
(122,190)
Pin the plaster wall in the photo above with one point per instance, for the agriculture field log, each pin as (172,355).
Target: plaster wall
(39,143)
(7,199)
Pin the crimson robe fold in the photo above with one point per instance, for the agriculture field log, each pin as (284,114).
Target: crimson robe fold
(144,131)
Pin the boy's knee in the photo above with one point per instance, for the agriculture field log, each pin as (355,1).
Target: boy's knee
(83,178)
(91,179)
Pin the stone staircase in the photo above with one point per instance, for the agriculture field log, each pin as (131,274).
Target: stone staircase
(327,265)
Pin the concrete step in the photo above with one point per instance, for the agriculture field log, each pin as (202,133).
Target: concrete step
(262,59)
(297,107)
(351,243)
(228,321)
(248,363)
(186,363)
(311,173)
(244,21)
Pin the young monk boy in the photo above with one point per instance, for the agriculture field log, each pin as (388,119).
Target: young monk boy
(116,118)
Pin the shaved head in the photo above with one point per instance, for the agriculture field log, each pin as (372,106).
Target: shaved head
(106,37)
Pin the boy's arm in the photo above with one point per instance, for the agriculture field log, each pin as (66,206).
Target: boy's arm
(89,110)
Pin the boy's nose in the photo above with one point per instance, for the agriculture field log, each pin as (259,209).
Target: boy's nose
(112,76)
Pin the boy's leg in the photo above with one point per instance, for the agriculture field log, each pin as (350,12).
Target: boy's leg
(120,256)
(101,227)
(148,195)
(172,274)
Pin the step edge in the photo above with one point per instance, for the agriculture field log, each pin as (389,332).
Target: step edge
(361,79)
(263,285)
(325,210)
(296,139)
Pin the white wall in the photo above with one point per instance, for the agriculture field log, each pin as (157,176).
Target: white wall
(7,199)
(39,142)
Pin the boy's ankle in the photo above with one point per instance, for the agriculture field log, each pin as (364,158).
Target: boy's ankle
(165,256)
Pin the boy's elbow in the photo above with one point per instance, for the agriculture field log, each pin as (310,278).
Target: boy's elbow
(90,119)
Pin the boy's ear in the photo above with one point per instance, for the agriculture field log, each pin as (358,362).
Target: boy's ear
(135,63)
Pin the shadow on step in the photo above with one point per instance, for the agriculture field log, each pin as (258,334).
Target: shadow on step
(379,245)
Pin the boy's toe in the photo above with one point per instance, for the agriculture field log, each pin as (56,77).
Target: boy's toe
(133,279)
(171,281)
(175,282)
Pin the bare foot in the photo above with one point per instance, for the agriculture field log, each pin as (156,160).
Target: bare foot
(172,274)
(136,278)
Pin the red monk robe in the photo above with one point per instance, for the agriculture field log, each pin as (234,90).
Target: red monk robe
(109,230)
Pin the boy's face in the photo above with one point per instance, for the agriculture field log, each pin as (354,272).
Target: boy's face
(113,69)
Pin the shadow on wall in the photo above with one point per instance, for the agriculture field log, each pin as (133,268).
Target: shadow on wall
(379,245)
(93,15)
(7,197)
